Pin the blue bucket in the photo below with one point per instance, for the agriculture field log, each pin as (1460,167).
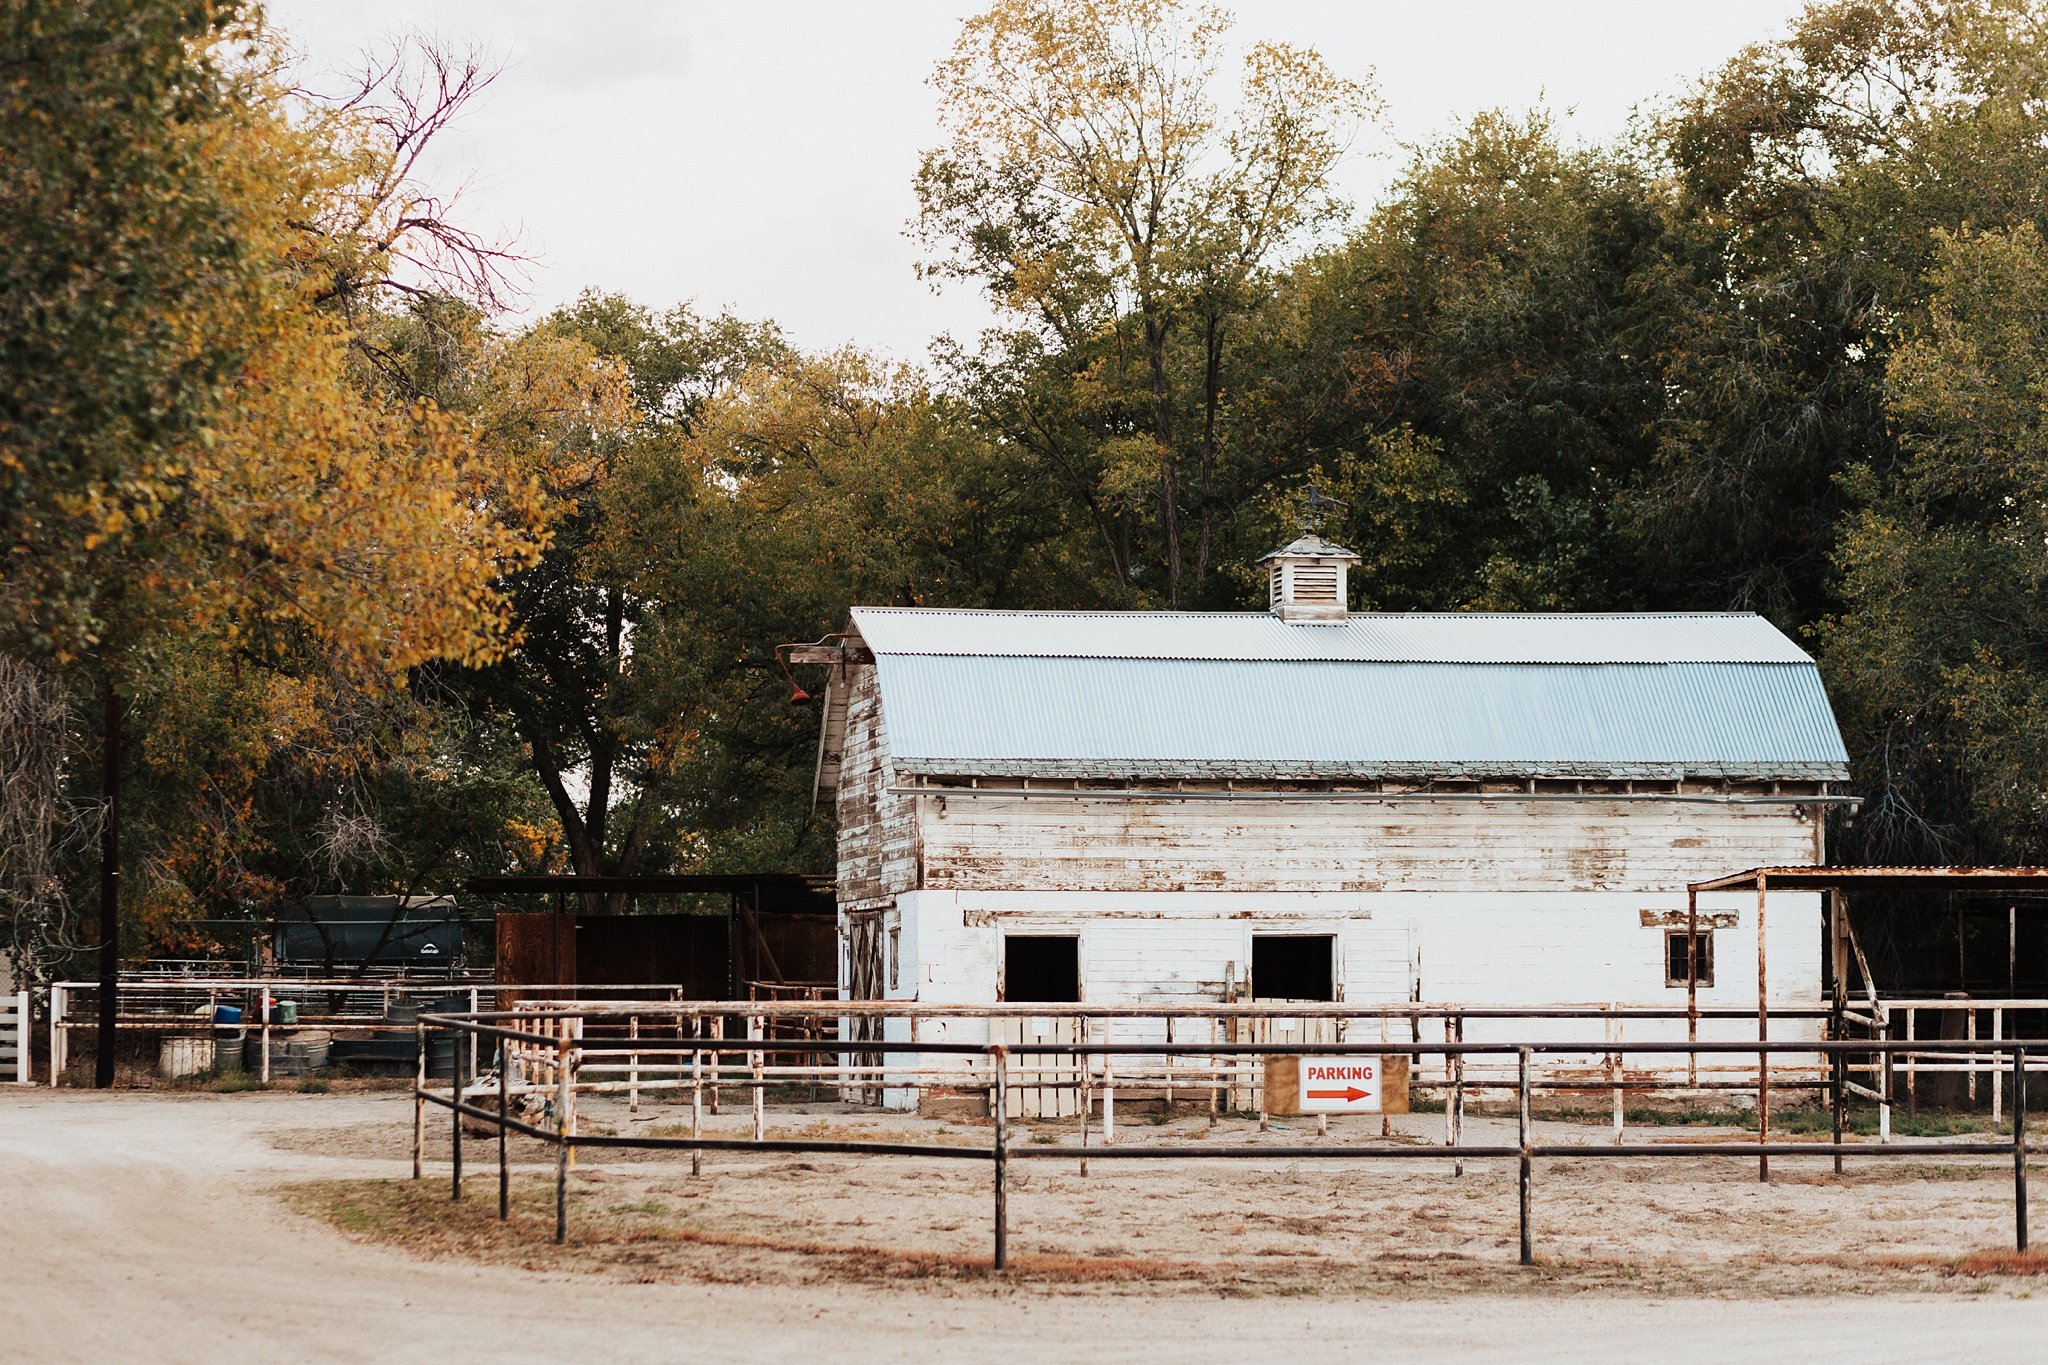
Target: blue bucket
(227,1014)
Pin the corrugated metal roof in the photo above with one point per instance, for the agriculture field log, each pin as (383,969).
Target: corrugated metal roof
(1166,718)
(1458,637)
(1192,694)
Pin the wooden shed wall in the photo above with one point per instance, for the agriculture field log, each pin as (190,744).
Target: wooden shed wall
(981,843)
(878,835)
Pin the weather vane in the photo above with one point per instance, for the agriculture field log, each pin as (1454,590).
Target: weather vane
(1312,508)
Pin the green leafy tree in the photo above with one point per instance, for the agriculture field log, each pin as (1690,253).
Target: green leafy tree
(1810,178)
(578,691)
(1467,372)
(194,482)
(1091,187)
(1940,654)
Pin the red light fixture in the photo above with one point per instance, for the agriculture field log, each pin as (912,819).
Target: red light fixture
(797,696)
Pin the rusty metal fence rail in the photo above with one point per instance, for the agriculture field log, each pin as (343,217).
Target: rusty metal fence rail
(551,1052)
(275,1008)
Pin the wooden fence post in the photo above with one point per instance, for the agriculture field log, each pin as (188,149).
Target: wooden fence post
(564,1095)
(455,1128)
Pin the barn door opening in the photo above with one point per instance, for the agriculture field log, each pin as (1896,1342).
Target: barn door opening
(1294,967)
(1042,968)
(864,981)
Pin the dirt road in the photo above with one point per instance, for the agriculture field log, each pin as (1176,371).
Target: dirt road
(146,1226)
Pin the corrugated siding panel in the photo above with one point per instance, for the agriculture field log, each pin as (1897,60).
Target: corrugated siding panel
(1153,718)
(1454,637)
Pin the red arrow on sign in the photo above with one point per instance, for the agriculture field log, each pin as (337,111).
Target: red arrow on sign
(1350,1094)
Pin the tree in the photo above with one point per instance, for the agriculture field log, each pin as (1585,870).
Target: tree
(625,385)
(1089,185)
(1809,180)
(807,484)
(1468,373)
(1940,654)
(189,462)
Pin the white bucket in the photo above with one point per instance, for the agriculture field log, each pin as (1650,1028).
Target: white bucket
(180,1057)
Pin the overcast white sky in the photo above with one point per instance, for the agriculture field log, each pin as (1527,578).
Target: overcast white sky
(758,155)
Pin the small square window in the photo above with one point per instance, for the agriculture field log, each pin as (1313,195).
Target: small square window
(1294,967)
(1688,957)
(1041,968)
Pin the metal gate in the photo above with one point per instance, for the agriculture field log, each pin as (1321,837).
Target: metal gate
(864,981)
(14,1037)
(1041,1086)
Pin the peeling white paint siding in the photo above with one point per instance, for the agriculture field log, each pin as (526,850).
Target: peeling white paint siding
(1501,948)
(1474,948)
(878,833)
(999,842)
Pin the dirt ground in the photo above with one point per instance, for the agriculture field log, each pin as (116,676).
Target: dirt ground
(1286,1226)
(193,1225)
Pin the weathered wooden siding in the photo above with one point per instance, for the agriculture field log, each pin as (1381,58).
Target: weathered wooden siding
(977,843)
(1475,948)
(878,834)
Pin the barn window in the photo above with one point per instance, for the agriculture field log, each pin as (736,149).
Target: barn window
(1042,968)
(1688,957)
(1294,967)
(895,955)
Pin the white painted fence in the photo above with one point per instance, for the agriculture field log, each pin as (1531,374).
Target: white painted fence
(14,1038)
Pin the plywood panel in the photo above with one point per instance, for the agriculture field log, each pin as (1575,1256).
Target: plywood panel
(1283,1084)
(535,949)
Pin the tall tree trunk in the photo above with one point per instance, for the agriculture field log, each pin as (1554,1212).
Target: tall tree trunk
(110,882)
(604,758)
(1162,434)
(1212,383)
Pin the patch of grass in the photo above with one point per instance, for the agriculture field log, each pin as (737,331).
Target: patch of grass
(651,1207)
(1688,1116)
(1973,1264)
(361,1216)
(419,1216)
(233,1083)
(311,1086)
(1863,1123)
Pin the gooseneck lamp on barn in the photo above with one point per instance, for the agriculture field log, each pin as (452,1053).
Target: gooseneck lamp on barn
(797,695)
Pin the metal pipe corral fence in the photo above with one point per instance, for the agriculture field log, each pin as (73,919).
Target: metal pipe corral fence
(561,1049)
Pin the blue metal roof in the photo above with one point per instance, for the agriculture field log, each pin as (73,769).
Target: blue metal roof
(1419,637)
(1187,695)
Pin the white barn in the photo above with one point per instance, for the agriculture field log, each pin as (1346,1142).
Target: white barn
(1306,803)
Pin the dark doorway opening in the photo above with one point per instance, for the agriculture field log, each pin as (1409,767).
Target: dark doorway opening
(1294,967)
(1042,968)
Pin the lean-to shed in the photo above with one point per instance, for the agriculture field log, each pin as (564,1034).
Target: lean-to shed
(1306,803)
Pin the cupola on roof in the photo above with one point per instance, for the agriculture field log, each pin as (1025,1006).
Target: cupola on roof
(1305,581)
